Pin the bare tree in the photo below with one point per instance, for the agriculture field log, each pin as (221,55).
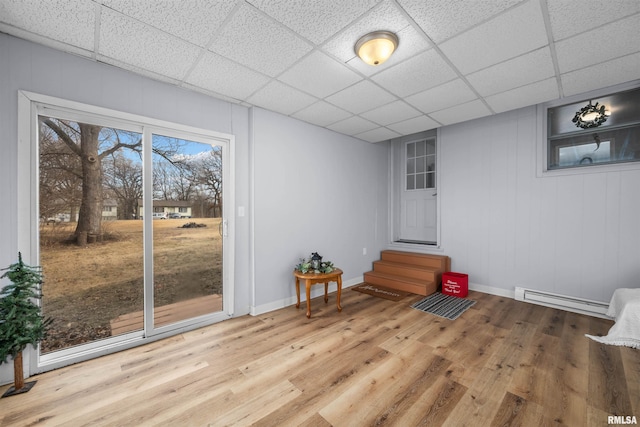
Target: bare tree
(60,178)
(123,177)
(84,140)
(208,172)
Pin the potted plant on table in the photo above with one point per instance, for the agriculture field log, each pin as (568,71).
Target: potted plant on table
(314,264)
(21,321)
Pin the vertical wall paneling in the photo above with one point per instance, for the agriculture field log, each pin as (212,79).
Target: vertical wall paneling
(506,225)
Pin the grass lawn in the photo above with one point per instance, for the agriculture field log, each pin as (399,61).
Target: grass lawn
(85,288)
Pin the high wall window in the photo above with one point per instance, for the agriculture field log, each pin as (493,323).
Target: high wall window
(598,131)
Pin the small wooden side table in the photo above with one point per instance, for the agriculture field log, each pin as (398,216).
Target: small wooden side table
(311,278)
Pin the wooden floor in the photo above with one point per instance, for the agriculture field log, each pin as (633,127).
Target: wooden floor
(379,362)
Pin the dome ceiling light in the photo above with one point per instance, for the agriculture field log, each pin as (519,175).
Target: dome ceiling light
(375,48)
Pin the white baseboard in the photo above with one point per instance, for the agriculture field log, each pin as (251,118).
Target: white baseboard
(507,293)
(316,291)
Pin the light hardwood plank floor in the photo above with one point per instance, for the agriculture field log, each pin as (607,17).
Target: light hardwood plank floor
(377,362)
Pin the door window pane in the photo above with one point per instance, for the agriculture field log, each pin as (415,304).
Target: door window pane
(411,166)
(90,181)
(411,182)
(187,245)
(421,158)
(411,150)
(431,180)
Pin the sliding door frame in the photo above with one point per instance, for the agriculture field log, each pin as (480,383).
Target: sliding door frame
(29,107)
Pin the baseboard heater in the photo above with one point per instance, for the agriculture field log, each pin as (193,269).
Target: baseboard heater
(562,302)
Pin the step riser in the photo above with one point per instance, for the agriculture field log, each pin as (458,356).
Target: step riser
(422,260)
(419,289)
(429,275)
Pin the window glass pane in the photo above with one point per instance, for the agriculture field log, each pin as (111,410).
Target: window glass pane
(610,146)
(431,163)
(421,148)
(91,244)
(431,146)
(411,150)
(420,181)
(187,242)
(411,166)
(411,183)
(421,164)
(431,180)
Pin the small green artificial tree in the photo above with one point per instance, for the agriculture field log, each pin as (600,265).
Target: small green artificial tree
(21,322)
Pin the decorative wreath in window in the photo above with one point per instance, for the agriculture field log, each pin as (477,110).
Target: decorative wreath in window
(591,116)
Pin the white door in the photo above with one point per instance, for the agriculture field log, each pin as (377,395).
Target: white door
(418,193)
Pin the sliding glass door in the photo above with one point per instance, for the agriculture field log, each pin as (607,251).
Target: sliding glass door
(132,234)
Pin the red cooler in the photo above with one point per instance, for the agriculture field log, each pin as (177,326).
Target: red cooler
(455,284)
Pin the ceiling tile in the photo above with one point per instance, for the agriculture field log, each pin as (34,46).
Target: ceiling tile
(460,113)
(384,17)
(599,45)
(281,98)
(435,16)
(361,97)
(353,125)
(316,20)
(377,135)
(195,22)
(322,114)
(419,73)
(257,42)
(130,41)
(415,125)
(391,113)
(443,96)
(520,71)
(220,75)
(616,71)
(296,57)
(511,34)
(67,21)
(319,75)
(524,96)
(567,19)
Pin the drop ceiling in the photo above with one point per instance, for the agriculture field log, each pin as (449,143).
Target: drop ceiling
(456,60)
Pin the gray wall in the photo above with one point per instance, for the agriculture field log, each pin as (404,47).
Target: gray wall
(315,191)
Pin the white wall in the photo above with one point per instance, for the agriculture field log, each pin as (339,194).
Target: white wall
(315,191)
(574,235)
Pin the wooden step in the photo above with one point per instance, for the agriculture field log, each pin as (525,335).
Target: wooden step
(418,287)
(417,273)
(440,262)
(429,274)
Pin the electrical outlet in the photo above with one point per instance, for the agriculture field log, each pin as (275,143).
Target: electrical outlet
(364,251)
